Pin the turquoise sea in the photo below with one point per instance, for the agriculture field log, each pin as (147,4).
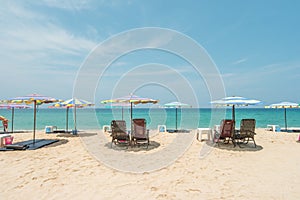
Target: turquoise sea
(188,118)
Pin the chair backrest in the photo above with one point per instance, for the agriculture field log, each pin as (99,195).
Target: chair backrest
(139,128)
(118,127)
(227,128)
(247,126)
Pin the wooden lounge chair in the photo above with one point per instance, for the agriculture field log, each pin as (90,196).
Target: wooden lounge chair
(118,132)
(246,132)
(226,132)
(140,134)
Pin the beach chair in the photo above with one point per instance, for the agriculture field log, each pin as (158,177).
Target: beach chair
(118,133)
(140,134)
(246,132)
(226,132)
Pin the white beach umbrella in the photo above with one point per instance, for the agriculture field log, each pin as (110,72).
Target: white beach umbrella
(284,105)
(176,105)
(235,101)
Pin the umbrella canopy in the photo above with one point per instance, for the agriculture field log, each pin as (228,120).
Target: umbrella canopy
(176,105)
(284,105)
(75,103)
(12,106)
(36,99)
(132,99)
(235,101)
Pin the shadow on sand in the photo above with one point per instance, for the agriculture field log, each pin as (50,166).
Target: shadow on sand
(137,148)
(229,146)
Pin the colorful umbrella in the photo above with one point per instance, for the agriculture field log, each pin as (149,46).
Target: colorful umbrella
(36,99)
(235,101)
(12,106)
(59,105)
(132,99)
(75,103)
(176,105)
(284,105)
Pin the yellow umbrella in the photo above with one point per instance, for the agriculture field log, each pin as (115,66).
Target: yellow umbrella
(36,99)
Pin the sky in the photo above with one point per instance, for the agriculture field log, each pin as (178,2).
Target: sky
(254,46)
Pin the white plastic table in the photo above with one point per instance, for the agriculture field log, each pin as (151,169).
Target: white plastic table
(208,132)
(273,127)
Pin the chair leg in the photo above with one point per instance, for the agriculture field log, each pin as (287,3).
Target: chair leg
(254,142)
(111,145)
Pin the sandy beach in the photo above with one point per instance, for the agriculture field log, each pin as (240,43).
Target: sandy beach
(72,169)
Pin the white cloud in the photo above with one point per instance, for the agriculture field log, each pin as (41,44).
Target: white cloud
(68,5)
(37,51)
(239,61)
(30,38)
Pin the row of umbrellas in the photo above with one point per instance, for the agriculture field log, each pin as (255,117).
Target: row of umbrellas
(36,99)
(242,101)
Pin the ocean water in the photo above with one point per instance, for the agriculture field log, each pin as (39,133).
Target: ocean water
(187,118)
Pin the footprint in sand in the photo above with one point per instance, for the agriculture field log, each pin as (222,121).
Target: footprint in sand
(49,179)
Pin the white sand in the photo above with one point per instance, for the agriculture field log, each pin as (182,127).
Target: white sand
(73,171)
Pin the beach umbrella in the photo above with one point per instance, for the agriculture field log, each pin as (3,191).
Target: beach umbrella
(59,105)
(284,105)
(75,103)
(132,100)
(235,101)
(36,99)
(12,106)
(176,105)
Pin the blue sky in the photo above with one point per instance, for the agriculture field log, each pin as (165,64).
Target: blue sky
(254,44)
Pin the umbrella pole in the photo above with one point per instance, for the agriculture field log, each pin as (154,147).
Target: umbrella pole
(75,118)
(285,119)
(12,119)
(34,120)
(131,117)
(233,112)
(67,119)
(176,117)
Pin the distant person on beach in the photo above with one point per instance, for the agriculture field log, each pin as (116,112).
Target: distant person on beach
(4,123)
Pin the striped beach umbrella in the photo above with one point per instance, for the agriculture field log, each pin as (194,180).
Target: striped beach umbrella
(284,105)
(35,99)
(133,100)
(75,103)
(13,106)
